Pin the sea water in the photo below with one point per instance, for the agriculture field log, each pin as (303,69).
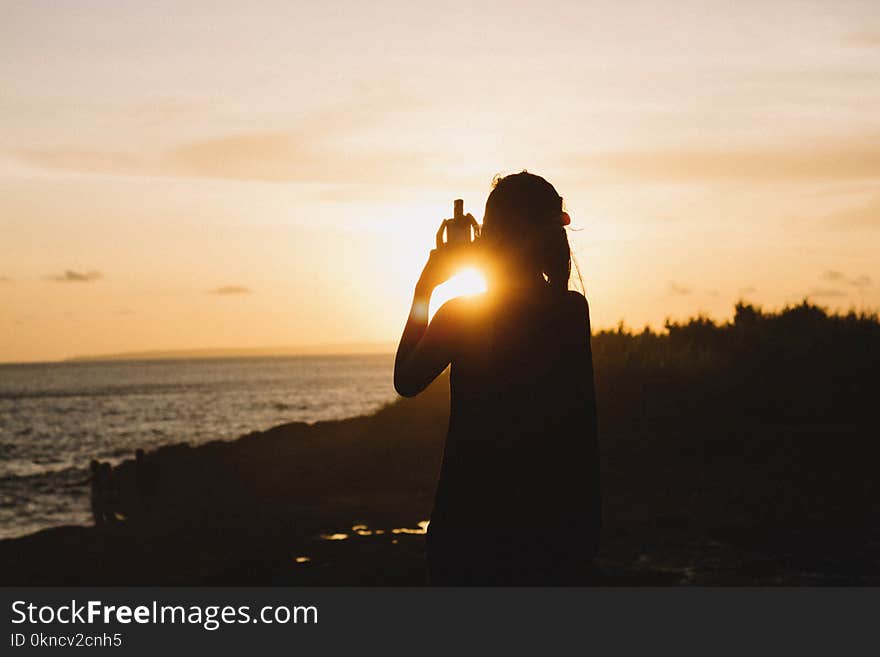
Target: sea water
(55,417)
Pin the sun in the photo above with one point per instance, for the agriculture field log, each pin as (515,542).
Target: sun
(467,282)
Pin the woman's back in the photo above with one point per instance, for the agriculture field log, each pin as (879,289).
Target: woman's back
(519,481)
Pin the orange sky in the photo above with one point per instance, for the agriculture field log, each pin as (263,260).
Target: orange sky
(243,175)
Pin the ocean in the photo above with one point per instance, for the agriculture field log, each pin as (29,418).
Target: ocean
(55,417)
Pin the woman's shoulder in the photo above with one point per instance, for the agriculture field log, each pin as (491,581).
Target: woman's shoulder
(576,298)
(577,302)
(461,309)
(577,310)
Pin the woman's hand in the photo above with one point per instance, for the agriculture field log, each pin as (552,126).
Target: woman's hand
(441,266)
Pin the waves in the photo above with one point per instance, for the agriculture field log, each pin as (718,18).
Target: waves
(114,391)
(55,417)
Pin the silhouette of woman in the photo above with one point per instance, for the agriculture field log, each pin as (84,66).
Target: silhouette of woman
(517,499)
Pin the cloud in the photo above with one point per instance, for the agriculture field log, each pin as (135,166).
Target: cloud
(318,148)
(5,279)
(834,276)
(82,161)
(675,288)
(260,156)
(864,216)
(265,156)
(231,289)
(865,38)
(841,159)
(288,157)
(749,289)
(72,276)
(829,293)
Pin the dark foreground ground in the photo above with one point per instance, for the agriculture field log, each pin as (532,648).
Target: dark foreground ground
(339,503)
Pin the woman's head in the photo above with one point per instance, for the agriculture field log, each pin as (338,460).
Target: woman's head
(524,224)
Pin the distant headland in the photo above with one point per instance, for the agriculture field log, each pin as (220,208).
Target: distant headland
(353,348)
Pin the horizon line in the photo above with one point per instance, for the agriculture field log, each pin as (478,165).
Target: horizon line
(206,353)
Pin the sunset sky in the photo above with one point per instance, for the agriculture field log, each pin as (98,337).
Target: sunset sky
(224,174)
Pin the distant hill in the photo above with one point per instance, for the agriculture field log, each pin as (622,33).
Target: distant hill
(250,352)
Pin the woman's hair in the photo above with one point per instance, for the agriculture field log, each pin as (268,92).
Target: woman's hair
(523,219)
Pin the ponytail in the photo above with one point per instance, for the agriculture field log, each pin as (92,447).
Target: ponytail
(555,256)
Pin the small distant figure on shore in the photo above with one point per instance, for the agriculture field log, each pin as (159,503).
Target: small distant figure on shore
(146,476)
(103,493)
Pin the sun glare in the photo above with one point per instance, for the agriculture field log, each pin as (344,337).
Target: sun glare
(466,283)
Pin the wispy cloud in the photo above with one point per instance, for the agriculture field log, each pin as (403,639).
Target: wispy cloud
(289,157)
(316,148)
(828,293)
(231,289)
(834,276)
(5,279)
(73,276)
(676,288)
(863,216)
(841,159)
(869,38)
(80,160)
(267,157)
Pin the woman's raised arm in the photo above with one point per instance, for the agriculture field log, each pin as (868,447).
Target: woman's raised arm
(425,348)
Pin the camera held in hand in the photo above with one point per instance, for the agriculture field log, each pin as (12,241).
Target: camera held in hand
(461,230)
